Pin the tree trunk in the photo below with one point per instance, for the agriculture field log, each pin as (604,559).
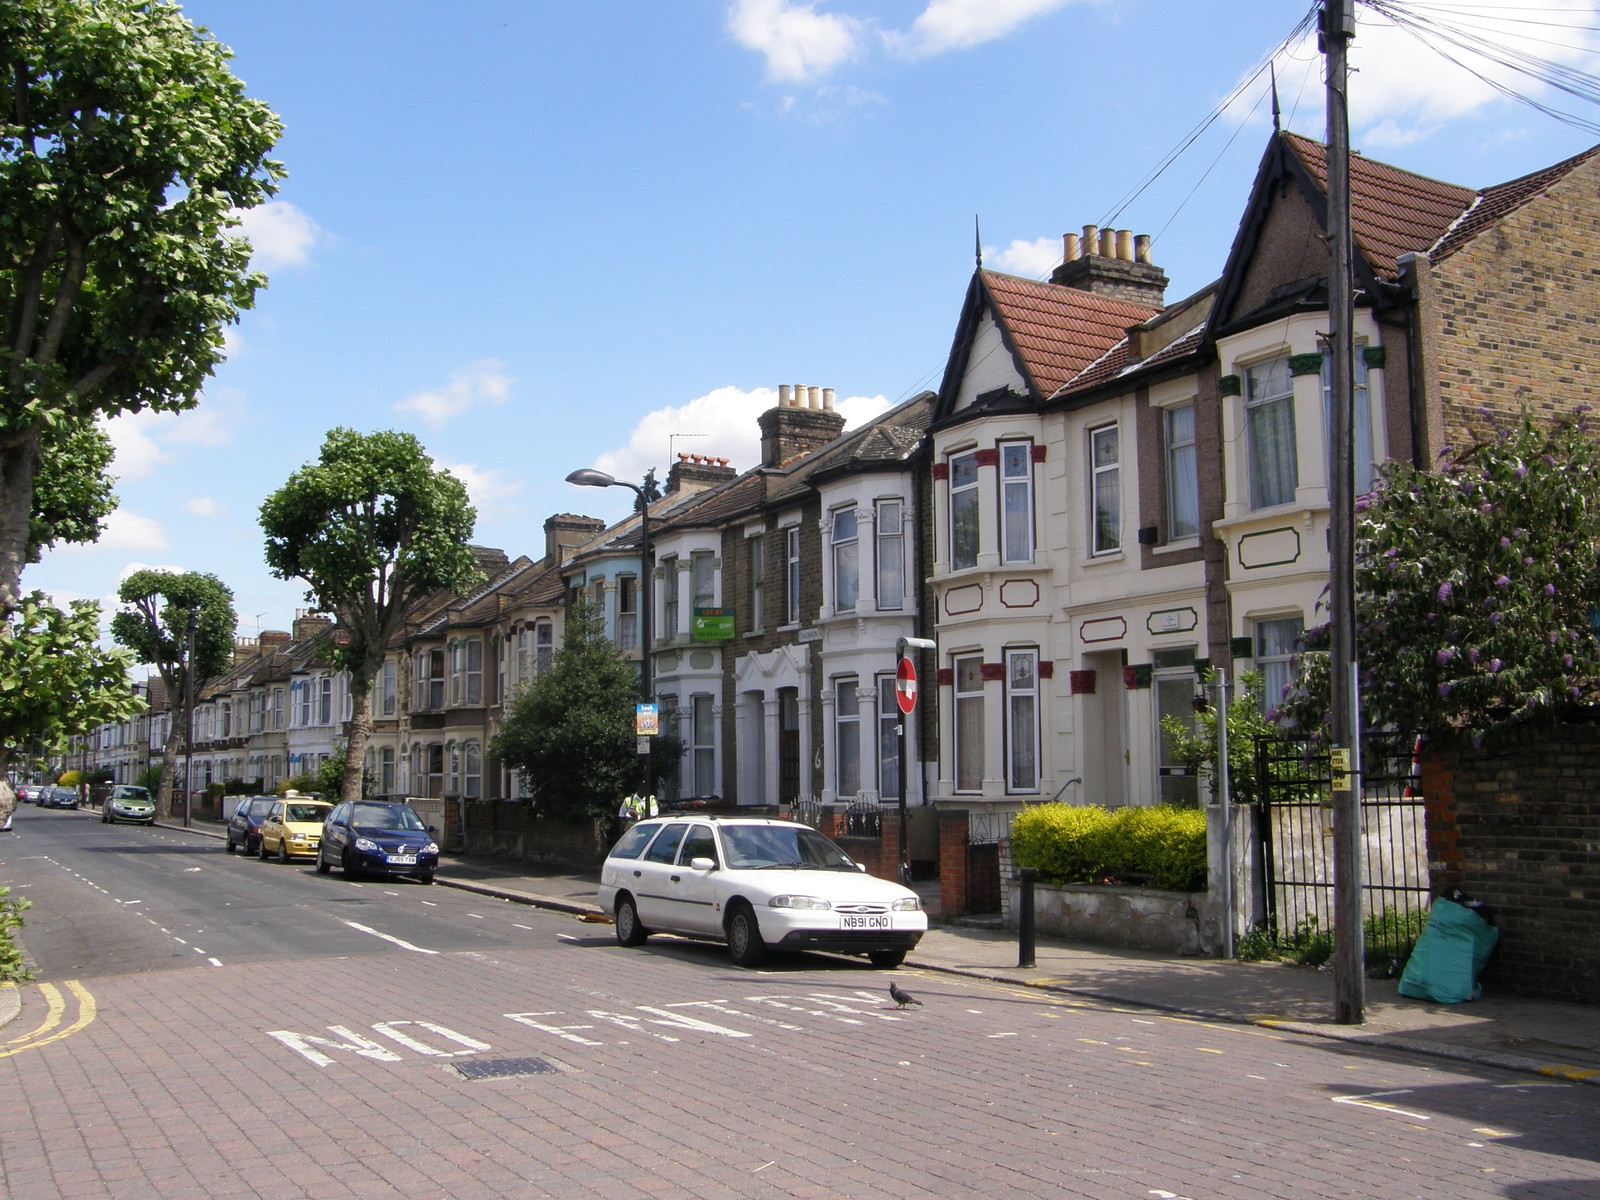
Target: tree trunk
(18,461)
(360,734)
(169,770)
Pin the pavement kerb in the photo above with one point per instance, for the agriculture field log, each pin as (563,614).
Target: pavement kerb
(1355,1034)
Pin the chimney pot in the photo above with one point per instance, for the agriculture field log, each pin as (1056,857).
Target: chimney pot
(1108,243)
(827,399)
(814,397)
(1069,247)
(784,399)
(1091,240)
(1125,245)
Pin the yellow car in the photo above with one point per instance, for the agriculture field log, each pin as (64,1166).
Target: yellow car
(293,829)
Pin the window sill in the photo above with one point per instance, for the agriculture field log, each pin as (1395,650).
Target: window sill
(1177,545)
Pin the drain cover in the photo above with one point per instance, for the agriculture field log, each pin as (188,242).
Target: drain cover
(503,1068)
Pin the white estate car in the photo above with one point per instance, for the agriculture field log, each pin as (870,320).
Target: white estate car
(755,883)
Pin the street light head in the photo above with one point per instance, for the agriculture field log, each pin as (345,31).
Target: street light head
(590,477)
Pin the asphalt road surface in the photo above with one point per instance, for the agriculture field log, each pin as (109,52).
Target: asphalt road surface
(210,1026)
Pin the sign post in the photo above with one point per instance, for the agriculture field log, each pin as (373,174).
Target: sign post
(905,698)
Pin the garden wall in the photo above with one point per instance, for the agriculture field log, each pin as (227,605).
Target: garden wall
(1518,827)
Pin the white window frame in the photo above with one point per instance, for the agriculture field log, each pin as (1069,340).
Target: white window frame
(1361,412)
(965,512)
(1022,720)
(1258,406)
(969,718)
(791,574)
(847,736)
(844,530)
(1182,458)
(1105,490)
(889,538)
(888,742)
(1016,502)
(755,547)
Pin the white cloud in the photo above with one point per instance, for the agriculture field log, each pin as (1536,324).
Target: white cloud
(961,24)
(203,506)
(280,235)
(143,441)
(491,491)
(721,423)
(480,384)
(1033,260)
(126,533)
(798,42)
(1402,91)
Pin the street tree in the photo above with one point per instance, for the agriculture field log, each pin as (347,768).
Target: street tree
(570,731)
(1475,583)
(372,527)
(127,150)
(56,680)
(71,491)
(154,623)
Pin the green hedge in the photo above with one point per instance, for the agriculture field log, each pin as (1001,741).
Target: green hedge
(1068,843)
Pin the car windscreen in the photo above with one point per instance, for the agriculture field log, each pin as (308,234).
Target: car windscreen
(385,816)
(130,793)
(307,812)
(753,847)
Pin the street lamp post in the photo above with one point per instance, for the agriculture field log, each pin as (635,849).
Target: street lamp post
(590,477)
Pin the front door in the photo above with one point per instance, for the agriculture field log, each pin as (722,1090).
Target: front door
(788,745)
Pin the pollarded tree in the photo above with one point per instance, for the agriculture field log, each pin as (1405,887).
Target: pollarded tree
(154,624)
(570,732)
(1474,585)
(55,679)
(372,528)
(127,149)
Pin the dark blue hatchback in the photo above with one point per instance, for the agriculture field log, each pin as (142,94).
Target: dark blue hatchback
(372,837)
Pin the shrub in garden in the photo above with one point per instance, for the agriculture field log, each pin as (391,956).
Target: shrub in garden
(1085,844)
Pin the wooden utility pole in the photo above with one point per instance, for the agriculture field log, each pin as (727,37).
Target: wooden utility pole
(1338,28)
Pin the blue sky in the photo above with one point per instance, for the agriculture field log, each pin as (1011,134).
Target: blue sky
(542,236)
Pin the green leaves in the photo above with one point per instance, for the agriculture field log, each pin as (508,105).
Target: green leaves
(55,679)
(127,148)
(1474,588)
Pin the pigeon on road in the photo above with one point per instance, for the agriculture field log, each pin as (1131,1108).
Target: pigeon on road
(903,998)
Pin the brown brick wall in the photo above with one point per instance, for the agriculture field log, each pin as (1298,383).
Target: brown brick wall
(1518,827)
(1516,312)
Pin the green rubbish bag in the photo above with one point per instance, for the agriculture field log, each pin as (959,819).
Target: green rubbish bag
(1451,953)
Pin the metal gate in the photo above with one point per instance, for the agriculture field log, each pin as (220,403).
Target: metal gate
(1294,845)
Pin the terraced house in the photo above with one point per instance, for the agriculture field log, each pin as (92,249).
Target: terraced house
(1126,491)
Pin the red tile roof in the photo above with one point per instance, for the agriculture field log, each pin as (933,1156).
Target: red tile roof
(1392,212)
(1058,331)
(1499,201)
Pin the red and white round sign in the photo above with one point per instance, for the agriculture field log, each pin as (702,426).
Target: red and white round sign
(905,686)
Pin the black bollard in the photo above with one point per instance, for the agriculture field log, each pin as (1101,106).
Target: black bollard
(1025,919)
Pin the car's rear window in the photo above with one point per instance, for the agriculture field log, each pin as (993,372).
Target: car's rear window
(308,812)
(632,843)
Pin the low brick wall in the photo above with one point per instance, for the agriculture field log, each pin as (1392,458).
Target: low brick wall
(508,830)
(1132,918)
(1518,827)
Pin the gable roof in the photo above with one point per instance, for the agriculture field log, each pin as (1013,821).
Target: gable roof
(1053,331)
(1392,212)
(1496,203)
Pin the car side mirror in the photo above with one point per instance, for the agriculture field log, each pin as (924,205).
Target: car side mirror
(862,867)
(433,829)
(702,864)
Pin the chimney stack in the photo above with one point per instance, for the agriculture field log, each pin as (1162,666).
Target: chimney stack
(804,421)
(696,472)
(565,532)
(1112,262)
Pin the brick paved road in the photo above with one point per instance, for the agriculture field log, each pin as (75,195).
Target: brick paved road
(674,1074)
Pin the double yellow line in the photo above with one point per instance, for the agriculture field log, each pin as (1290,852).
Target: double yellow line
(50,1029)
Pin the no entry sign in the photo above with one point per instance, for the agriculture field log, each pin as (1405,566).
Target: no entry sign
(905,686)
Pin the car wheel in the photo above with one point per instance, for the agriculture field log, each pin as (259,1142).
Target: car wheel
(629,931)
(261,850)
(745,945)
(229,847)
(283,850)
(322,864)
(886,960)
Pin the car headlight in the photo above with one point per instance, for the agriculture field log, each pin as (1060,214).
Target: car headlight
(430,848)
(366,844)
(906,904)
(798,902)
